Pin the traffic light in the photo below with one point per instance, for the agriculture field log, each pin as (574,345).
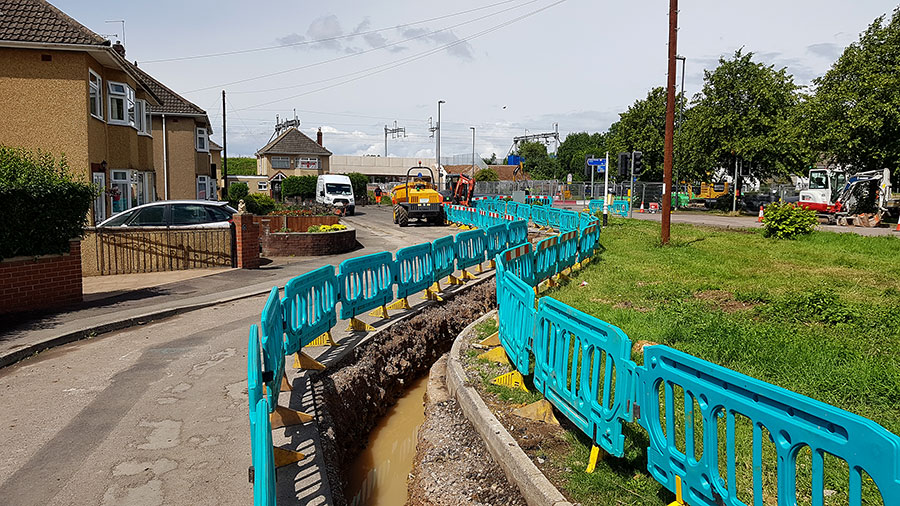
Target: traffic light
(638,163)
(624,164)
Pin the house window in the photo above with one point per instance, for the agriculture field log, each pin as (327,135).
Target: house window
(202,187)
(120,190)
(309,163)
(202,140)
(262,186)
(95,94)
(142,117)
(121,104)
(281,162)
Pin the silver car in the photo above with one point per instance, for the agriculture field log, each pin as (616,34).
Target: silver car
(174,213)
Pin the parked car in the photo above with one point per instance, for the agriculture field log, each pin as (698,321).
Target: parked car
(173,213)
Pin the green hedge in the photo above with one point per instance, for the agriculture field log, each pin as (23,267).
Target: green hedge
(786,221)
(299,186)
(44,203)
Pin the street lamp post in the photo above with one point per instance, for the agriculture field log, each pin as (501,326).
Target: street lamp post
(438,149)
(680,121)
(473,151)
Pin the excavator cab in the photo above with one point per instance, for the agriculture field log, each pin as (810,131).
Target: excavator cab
(460,189)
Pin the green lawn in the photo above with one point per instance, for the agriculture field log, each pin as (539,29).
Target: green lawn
(817,315)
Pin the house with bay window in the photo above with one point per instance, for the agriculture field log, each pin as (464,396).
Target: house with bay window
(290,153)
(68,91)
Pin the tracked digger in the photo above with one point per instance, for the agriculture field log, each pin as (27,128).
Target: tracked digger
(417,198)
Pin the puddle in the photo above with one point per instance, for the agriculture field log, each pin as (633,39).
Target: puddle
(378,476)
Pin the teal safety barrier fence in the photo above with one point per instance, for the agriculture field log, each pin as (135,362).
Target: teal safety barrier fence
(539,215)
(587,241)
(553,217)
(583,367)
(444,255)
(569,220)
(518,232)
(516,318)
(263,457)
(567,250)
(450,213)
(512,208)
(415,269)
(495,237)
(523,212)
(272,326)
(310,302)
(519,260)
(470,248)
(620,207)
(366,283)
(545,256)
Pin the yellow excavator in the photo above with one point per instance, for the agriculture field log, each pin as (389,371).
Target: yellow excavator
(418,198)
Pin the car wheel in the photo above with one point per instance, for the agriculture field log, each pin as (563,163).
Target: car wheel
(402,216)
(352,210)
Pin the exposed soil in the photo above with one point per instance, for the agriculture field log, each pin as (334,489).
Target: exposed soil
(723,300)
(453,465)
(360,389)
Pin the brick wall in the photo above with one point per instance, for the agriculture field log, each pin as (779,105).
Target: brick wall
(33,283)
(247,238)
(303,244)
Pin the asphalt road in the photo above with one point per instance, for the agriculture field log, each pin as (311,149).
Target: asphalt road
(157,414)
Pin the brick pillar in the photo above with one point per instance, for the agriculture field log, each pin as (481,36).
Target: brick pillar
(247,238)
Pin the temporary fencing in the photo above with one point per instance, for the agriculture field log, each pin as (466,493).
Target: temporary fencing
(309,303)
(545,258)
(619,206)
(444,256)
(567,250)
(496,238)
(415,269)
(517,232)
(470,249)
(366,282)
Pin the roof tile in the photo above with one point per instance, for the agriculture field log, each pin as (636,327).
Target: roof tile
(38,21)
(293,142)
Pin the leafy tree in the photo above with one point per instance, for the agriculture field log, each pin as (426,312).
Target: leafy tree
(855,113)
(576,147)
(492,160)
(358,182)
(241,166)
(487,175)
(537,162)
(237,191)
(299,186)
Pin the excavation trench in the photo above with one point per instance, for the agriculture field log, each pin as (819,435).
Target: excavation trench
(356,393)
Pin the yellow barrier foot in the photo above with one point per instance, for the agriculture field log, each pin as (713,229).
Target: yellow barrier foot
(592,463)
(430,294)
(358,325)
(285,457)
(563,275)
(285,384)
(493,264)
(465,227)
(304,361)
(398,304)
(436,287)
(468,275)
(585,261)
(540,411)
(497,354)
(323,340)
(380,313)
(491,341)
(285,417)
(479,269)
(679,501)
(512,379)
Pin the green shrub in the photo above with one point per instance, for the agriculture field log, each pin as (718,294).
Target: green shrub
(386,200)
(358,182)
(242,166)
(787,221)
(487,175)
(45,204)
(260,204)
(299,186)
(237,191)
(313,229)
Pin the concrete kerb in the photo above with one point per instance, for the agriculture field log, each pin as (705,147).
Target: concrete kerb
(112,326)
(518,467)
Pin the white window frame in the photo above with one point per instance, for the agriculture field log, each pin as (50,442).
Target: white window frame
(262,186)
(142,117)
(201,134)
(301,159)
(285,160)
(95,87)
(203,183)
(148,120)
(126,96)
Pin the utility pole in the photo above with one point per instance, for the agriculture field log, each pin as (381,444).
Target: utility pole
(473,151)
(735,183)
(437,127)
(395,132)
(224,153)
(631,188)
(670,123)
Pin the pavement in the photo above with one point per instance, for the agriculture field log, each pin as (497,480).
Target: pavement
(157,413)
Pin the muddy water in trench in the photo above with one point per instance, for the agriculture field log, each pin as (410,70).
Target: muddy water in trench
(378,476)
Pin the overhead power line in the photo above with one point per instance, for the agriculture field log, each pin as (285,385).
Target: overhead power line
(327,39)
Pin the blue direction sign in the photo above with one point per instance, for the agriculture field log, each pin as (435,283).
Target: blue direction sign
(600,163)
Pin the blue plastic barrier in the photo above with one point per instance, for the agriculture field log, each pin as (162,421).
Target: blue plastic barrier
(366,283)
(518,232)
(587,241)
(793,422)
(620,207)
(523,212)
(553,218)
(310,302)
(568,220)
(450,213)
(519,261)
(495,239)
(583,367)
(262,456)
(512,208)
(567,248)
(545,255)
(586,220)
(444,255)
(415,269)
(539,216)
(516,315)
(470,248)
(272,326)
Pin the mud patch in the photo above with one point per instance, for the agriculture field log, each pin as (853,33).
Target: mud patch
(723,300)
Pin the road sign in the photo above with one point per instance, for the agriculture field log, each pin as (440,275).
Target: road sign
(600,163)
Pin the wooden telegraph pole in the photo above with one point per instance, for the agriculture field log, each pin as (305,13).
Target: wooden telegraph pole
(670,123)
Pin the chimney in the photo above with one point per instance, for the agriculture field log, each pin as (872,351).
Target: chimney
(319,136)
(119,48)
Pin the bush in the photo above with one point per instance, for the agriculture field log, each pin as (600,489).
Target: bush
(299,186)
(237,191)
(487,175)
(782,220)
(358,182)
(260,204)
(45,204)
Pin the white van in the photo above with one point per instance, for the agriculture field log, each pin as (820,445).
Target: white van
(335,190)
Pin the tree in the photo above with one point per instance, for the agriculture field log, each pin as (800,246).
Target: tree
(492,160)
(537,162)
(299,186)
(359,184)
(854,115)
(237,191)
(576,147)
(487,175)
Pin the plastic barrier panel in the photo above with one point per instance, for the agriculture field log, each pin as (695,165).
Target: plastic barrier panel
(793,422)
(568,220)
(587,242)
(567,248)
(512,208)
(444,255)
(539,215)
(587,219)
(415,269)
(553,217)
(450,213)
(310,302)
(595,206)
(495,238)
(545,256)
(262,457)
(516,315)
(272,326)
(620,207)
(366,283)
(519,260)
(470,248)
(518,232)
(254,371)
(523,212)
(583,366)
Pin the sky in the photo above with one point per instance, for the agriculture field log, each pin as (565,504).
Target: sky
(505,67)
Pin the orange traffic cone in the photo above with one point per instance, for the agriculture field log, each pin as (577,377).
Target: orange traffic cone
(898,227)
(761,215)
(642,208)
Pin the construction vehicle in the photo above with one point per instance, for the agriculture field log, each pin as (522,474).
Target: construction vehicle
(417,198)
(861,199)
(460,189)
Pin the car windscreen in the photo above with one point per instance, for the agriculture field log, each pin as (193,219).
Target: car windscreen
(149,217)
(338,189)
(191,214)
